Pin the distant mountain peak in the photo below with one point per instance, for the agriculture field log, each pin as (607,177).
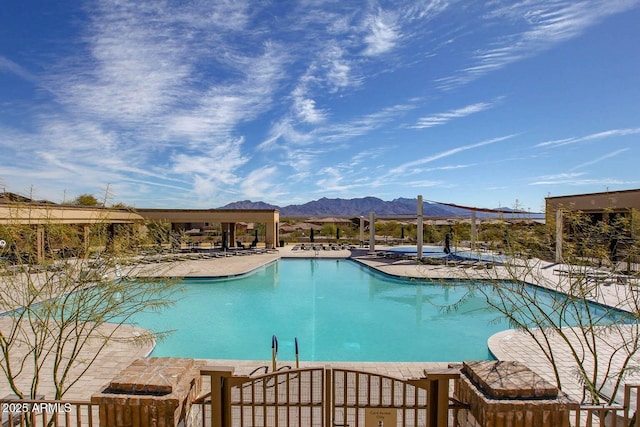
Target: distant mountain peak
(336,207)
(348,207)
(248,204)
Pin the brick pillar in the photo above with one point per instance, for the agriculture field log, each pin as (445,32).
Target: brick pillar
(508,394)
(150,392)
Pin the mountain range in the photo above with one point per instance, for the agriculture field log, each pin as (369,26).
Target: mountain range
(363,206)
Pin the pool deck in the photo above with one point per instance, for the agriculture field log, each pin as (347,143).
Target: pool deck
(507,345)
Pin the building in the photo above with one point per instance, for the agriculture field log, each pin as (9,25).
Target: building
(597,205)
(606,206)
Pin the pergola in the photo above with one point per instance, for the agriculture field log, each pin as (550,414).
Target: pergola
(227,217)
(39,215)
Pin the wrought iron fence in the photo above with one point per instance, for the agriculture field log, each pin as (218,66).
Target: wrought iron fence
(60,413)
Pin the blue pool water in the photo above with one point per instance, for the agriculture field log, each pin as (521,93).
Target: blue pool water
(338,310)
(438,252)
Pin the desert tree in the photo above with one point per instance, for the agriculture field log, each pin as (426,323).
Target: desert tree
(592,346)
(558,313)
(61,311)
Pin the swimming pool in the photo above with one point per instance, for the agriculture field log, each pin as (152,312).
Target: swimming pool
(338,309)
(438,252)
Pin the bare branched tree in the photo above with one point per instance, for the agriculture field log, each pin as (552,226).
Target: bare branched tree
(603,339)
(64,306)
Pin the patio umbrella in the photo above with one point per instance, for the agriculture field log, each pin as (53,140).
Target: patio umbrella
(337,234)
(402,232)
(255,240)
(311,238)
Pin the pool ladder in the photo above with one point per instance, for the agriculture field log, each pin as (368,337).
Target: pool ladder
(274,358)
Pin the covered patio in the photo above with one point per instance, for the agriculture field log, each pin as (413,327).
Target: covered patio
(227,217)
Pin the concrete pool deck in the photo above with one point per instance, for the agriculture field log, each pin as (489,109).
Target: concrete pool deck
(507,345)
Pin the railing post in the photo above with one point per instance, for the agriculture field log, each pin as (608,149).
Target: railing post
(328,397)
(631,402)
(437,382)
(217,374)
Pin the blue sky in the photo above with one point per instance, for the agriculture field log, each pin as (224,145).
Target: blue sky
(197,104)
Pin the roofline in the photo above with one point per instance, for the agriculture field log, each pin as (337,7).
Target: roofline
(204,210)
(600,193)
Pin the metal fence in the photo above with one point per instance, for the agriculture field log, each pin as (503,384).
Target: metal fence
(319,397)
(621,414)
(315,397)
(341,397)
(60,413)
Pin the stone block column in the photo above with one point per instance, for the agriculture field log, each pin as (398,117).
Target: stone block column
(150,392)
(508,394)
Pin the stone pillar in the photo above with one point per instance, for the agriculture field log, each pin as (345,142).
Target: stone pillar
(150,392)
(271,238)
(111,235)
(419,228)
(559,236)
(508,394)
(39,243)
(372,232)
(86,234)
(232,234)
(474,230)
(230,229)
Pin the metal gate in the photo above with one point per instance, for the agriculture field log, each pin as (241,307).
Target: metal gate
(364,399)
(292,398)
(323,397)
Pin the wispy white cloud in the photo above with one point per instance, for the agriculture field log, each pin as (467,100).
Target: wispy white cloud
(556,142)
(294,142)
(307,111)
(599,159)
(262,181)
(339,70)
(368,155)
(9,66)
(591,137)
(579,179)
(383,33)
(305,107)
(283,134)
(407,167)
(217,165)
(331,179)
(443,118)
(362,125)
(586,181)
(546,24)
(198,97)
(426,9)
